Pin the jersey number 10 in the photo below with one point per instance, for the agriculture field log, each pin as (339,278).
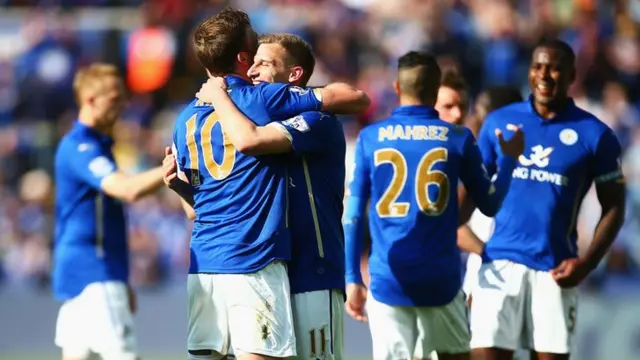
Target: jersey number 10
(388,205)
(217,171)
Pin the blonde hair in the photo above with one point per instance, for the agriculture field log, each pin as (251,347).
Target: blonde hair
(87,77)
(298,49)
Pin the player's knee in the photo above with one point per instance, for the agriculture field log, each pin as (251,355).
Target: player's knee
(206,355)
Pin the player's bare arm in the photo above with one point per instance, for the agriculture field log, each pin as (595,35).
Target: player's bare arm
(337,98)
(245,135)
(342,98)
(132,188)
(611,196)
(176,183)
(467,240)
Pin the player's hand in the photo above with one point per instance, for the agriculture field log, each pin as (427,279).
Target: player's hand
(133,301)
(170,168)
(356,298)
(570,273)
(515,146)
(212,89)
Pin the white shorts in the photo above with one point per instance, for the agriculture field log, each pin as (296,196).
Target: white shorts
(395,330)
(251,312)
(471,274)
(98,320)
(514,306)
(319,324)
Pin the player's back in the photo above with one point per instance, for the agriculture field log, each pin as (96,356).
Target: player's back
(316,192)
(240,200)
(562,157)
(90,243)
(415,161)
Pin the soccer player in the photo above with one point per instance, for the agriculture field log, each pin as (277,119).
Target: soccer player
(90,256)
(238,285)
(408,165)
(452,103)
(316,189)
(526,290)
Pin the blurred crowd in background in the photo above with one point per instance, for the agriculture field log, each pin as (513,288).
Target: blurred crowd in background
(43,42)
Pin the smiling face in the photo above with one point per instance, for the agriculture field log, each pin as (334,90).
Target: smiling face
(550,76)
(270,65)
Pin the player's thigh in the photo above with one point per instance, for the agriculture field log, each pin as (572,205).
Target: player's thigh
(71,330)
(553,314)
(393,329)
(259,312)
(445,328)
(498,307)
(112,329)
(208,333)
(318,318)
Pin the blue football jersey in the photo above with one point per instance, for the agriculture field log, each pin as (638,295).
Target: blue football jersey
(90,242)
(240,201)
(536,225)
(316,193)
(408,166)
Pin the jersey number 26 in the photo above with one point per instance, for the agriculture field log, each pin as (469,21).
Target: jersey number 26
(388,206)
(217,171)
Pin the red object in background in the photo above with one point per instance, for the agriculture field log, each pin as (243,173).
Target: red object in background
(150,55)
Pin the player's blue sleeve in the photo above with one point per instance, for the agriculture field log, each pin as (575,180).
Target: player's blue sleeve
(487,195)
(606,164)
(310,131)
(90,163)
(486,143)
(283,101)
(354,219)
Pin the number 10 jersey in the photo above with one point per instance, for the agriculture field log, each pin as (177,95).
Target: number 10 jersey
(240,200)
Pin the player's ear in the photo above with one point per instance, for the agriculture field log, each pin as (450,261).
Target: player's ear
(295,74)
(244,58)
(396,87)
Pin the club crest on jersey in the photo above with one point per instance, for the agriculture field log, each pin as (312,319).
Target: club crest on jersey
(297,123)
(568,137)
(539,157)
(299,90)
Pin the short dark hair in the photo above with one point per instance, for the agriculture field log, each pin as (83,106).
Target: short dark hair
(500,96)
(561,46)
(218,40)
(299,50)
(453,80)
(419,75)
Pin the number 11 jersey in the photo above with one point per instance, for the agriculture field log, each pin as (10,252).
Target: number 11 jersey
(240,201)
(408,166)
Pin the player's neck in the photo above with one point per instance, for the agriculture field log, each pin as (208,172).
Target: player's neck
(411,101)
(88,120)
(236,74)
(549,111)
